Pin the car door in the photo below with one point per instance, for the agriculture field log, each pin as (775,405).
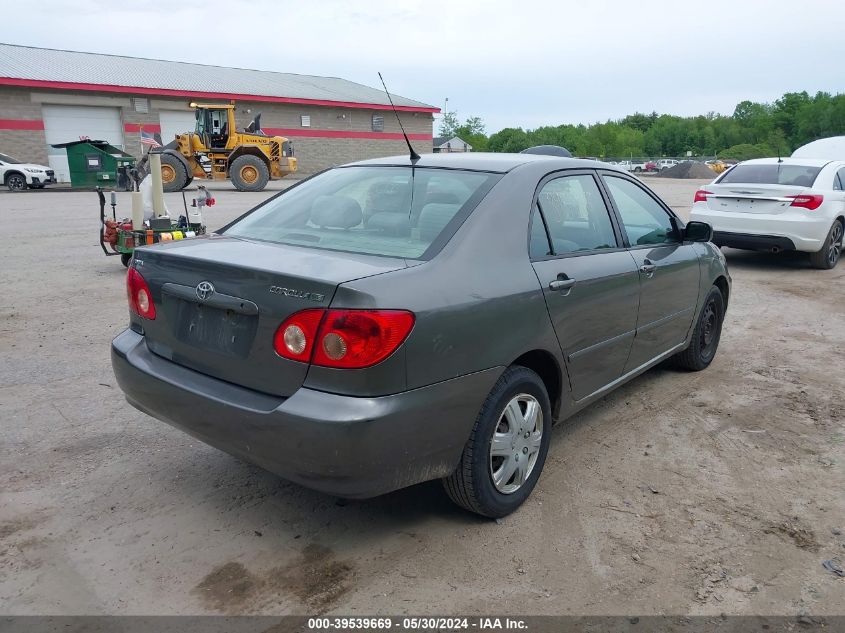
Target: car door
(590,282)
(668,268)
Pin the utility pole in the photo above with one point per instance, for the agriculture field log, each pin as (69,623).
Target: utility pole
(442,116)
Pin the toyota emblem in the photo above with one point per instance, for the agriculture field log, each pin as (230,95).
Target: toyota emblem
(204,290)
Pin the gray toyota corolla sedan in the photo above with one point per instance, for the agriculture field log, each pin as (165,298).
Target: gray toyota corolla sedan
(391,322)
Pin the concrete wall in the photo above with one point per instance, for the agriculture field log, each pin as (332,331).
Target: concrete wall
(328,141)
(18,110)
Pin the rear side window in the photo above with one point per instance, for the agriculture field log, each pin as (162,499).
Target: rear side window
(795,175)
(839,180)
(575,215)
(390,211)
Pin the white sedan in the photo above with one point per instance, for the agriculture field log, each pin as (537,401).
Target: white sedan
(773,204)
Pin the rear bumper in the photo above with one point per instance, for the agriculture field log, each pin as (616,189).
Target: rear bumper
(793,228)
(341,445)
(753,242)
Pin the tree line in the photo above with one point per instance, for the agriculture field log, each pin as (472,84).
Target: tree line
(754,130)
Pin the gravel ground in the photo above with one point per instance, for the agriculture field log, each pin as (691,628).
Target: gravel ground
(707,493)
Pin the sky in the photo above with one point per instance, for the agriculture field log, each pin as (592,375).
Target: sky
(514,64)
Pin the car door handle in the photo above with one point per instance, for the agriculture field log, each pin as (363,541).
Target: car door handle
(561,284)
(648,268)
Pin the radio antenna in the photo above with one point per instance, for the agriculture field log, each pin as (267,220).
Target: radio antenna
(414,155)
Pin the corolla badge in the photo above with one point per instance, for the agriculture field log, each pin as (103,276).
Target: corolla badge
(204,290)
(300,294)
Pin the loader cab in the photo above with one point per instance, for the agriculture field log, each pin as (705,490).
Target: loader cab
(213,126)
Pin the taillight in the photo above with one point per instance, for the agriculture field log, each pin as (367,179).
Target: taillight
(360,338)
(701,196)
(808,201)
(348,339)
(295,337)
(139,295)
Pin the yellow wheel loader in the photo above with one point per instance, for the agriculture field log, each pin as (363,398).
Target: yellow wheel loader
(216,150)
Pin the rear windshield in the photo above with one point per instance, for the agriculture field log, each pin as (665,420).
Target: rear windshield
(391,211)
(797,175)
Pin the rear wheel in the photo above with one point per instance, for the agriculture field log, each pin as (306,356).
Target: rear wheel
(827,257)
(507,448)
(706,335)
(15,182)
(174,176)
(249,173)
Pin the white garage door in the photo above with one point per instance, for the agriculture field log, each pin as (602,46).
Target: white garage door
(67,123)
(174,122)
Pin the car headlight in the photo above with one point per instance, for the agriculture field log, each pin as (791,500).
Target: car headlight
(33,170)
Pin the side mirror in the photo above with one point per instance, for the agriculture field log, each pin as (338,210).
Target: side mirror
(698,232)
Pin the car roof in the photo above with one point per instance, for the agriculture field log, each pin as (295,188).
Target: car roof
(482,161)
(807,162)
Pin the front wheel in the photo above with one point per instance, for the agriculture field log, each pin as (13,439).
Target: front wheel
(16,182)
(249,173)
(507,448)
(706,335)
(828,255)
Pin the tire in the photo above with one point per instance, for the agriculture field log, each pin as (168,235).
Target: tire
(189,180)
(826,258)
(472,485)
(638,169)
(249,173)
(125,258)
(706,335)
(16,182)
(174,176)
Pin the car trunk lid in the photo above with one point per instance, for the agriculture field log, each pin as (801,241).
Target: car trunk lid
(752,198)
(220,300)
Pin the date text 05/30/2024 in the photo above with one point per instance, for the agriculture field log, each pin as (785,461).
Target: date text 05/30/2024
(416,624)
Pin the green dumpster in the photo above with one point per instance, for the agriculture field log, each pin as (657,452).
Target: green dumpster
(97,164)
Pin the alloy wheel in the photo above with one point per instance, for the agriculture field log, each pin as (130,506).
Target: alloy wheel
(16,182)
(835,247)
(516,443)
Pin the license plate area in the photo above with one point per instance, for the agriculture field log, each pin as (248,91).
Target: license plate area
(751,205)
(214,329)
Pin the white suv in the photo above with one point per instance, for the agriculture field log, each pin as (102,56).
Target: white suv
(773,204)
(17,176)
(666,163)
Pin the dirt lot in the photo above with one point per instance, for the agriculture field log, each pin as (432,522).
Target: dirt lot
(681,493)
